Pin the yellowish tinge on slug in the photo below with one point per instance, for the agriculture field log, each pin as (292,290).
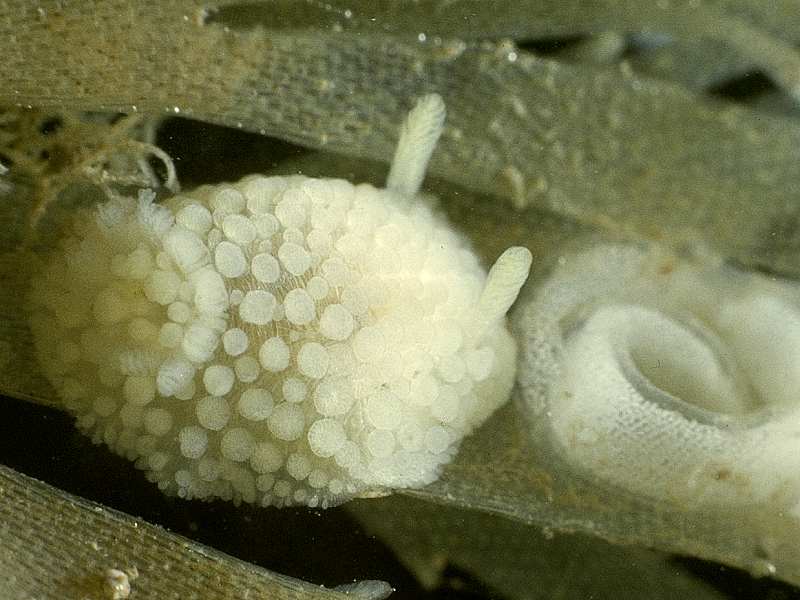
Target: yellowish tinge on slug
(279,340)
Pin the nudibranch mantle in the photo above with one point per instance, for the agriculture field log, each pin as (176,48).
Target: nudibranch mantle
(672,378)
(279,340)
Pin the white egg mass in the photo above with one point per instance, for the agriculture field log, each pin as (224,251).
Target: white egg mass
(280,340)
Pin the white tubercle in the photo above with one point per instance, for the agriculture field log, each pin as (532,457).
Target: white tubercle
(674,380)
(418,137)
(279,340)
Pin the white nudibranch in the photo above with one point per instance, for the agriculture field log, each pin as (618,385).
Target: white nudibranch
(280,340)
(675,380)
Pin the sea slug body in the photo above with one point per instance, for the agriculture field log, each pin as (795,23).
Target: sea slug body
(279,340)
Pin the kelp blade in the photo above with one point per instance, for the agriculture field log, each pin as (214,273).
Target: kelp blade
(602,146)
(54,546)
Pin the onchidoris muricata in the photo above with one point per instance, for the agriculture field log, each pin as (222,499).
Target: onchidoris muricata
(280,340)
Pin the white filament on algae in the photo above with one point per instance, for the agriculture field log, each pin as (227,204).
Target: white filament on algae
(280,340)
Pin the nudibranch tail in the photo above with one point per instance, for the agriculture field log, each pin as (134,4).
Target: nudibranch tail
(418,137)
(505,279)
